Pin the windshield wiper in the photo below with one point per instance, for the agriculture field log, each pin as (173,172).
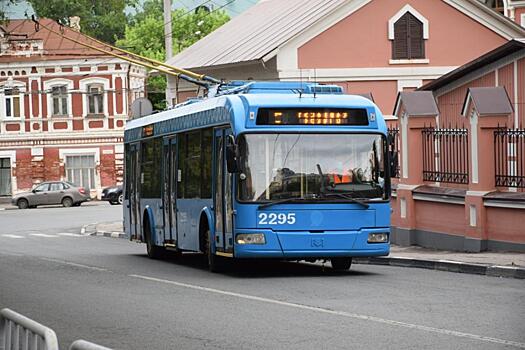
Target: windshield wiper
(282,201)
(346,196)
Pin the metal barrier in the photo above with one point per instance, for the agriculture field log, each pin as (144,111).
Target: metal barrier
(445,155)
(19,332)
(85,345)
(509,152)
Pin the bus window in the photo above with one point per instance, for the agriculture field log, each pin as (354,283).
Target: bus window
(193,166)
(181,146)
(207,145)
(150,168)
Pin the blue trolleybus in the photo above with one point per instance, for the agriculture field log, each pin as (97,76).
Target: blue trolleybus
(278,170)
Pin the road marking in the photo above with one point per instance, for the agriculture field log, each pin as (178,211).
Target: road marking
(74,264)
(12,236)
(10,254)
(69,234)
(43,235)
(339,313)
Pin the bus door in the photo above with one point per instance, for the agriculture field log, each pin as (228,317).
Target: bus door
(170,188)
(133,188)
(222,199)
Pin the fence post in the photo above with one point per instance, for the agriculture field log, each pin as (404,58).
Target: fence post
(411,173)
(483,174)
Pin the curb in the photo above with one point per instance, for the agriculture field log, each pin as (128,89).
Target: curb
(113,234)
(447,265)
(91,230)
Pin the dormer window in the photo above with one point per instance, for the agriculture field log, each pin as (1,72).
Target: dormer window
(408,31)
(408,40)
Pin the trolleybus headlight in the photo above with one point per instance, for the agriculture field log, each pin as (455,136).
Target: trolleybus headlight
(378,237)
(250,238)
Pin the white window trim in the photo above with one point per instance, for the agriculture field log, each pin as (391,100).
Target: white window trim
(64,152)
(11,84)
(83,87)
(48,85)
(522,19)
(401,13)
(410,61)
(413,83)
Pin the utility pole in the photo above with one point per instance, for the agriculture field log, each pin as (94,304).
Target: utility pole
(168,43)
(167,29)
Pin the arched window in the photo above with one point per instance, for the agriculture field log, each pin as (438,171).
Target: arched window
(408,42)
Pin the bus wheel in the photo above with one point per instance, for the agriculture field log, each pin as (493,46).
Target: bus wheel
(153,251)
(215,263)
(341,264)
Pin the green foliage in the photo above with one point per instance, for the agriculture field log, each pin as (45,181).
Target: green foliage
(102,19)
(145,36)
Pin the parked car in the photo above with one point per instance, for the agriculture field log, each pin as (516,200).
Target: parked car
(113,195)
(55,192)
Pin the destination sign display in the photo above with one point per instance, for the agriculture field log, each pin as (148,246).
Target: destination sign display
(312,116)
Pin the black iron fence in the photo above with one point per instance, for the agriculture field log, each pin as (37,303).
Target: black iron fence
(509,160)
(445,155)
(394,149)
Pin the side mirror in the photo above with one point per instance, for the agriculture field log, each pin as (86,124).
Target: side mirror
(231,155)
(33,190)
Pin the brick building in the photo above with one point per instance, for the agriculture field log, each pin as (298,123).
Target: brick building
(63,108)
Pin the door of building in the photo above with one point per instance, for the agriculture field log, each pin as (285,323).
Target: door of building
(5,176)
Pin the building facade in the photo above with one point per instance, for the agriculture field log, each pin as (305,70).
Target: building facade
(366,46)
(461,183)
(63,108)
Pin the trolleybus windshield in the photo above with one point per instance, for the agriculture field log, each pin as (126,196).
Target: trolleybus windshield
(312,167)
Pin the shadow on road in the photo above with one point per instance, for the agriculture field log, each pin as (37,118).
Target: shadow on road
(249,268)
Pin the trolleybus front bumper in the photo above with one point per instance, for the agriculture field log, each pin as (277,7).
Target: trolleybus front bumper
(313,244)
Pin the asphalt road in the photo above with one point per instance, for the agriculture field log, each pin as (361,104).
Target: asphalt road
(107,291)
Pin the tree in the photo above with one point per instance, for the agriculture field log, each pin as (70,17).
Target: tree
(145,36)
(102,19)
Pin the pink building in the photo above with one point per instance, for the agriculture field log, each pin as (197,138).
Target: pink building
(462,157)
(62,109)
(366,46)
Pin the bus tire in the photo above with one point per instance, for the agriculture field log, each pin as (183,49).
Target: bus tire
(341,264)
(215,263)
(153,251)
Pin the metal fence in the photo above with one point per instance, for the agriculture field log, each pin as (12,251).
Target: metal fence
(509,160)
(445,155)
(18,332)
(394,149)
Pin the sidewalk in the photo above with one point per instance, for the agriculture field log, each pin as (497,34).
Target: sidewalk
(502,264)
(6,205)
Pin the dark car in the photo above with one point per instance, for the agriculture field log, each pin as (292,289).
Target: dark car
(113,195)
(55,192)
